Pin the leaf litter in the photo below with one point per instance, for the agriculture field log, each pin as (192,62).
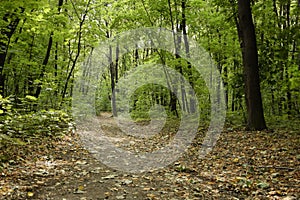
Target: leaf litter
(243,165)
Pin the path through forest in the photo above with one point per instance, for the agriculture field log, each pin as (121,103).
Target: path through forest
(243,165)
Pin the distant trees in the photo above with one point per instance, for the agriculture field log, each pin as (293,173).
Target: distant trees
(41,43)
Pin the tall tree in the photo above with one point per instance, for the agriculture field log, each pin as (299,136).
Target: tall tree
(255,120)
(12,22)
(81,17)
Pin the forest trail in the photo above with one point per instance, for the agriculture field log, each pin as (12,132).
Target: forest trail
(243,165)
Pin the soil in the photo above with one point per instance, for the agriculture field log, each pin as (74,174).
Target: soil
(243,165)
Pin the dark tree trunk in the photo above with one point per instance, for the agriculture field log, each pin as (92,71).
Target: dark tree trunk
(173,99)
(298,48)
(117,64)
(255,120)
(173,95)
(192,102)
(6,35)
(45,62)
(136,56)
(112,82)
(286,58)
(295,58)
(30,76)
(225,81)
(47,56)
(60,4)
(2,81)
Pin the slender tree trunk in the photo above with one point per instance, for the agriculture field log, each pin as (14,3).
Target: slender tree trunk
(136,56)
(286,58)
(45,62)
(233,101)
(30,75)
(296,42)
(60,3)
(113,79)
(74,61)
(295,58)
(117,63)
(255,120)
(225,81)
(173,99)
(192,101)
(47,56)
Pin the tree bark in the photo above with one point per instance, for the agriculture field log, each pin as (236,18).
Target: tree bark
(255,120)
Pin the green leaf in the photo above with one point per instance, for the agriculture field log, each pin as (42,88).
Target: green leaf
(31,98)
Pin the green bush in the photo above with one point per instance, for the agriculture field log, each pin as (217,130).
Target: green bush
(21,121)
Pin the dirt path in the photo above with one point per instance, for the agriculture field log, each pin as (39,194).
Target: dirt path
(243,165)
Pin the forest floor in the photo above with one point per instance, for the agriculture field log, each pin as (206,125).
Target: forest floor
(243,165)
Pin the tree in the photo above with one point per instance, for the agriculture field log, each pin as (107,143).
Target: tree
(43,43)
(11,22)
(255,120)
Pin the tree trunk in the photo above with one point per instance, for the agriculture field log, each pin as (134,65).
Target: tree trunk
(192,102)
(173,98)
(45,62)
(74,61)
(255,120)
(112,82)
(6,35)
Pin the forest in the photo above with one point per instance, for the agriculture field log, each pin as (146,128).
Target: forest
(176,66)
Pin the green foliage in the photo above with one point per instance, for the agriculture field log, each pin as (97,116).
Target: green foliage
(103,103)
(18,125)
(145,97)
(5,106)
(211,23)
(43,122)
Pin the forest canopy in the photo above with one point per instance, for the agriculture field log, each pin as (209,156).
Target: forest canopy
(43,44)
